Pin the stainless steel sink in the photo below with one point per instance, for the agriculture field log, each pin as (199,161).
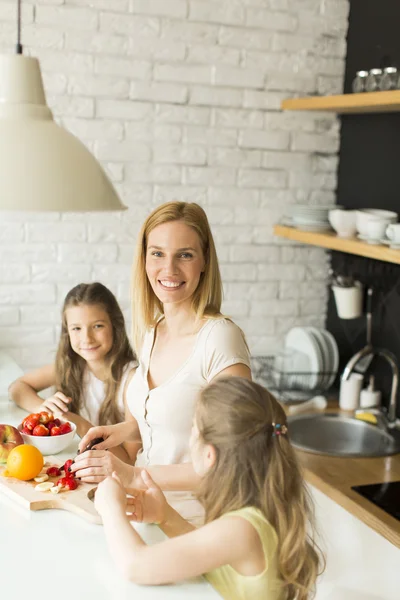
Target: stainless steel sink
(337,435)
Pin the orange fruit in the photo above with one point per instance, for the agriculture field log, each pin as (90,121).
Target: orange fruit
(24,462)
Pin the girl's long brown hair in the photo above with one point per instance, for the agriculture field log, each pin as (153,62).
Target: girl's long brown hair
(256,468)
(70,367)
(208,295)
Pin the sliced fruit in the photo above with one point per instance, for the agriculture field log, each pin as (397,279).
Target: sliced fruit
(53,472)
(55,430)
(31,421)
(41,478)
(67,465)
(55,489)
(45,417)
(44,487)
(40,430)
(65,428)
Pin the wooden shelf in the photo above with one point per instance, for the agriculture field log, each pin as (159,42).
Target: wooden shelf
(347,103)
(331,241)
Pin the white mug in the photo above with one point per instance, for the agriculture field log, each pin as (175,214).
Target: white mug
(343,222)
(376,228)
(393,232)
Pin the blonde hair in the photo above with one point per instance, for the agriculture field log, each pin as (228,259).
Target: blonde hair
(70,367)
(256,468)
(206,301)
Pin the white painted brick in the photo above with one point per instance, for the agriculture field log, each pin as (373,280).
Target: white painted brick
(115,171)
(277,272)
(124,151)
(242,215)
(239,77)
(255,326)
(123,67)
(256,291)
(41,37)
(232,234)
(132,25)
(289,82)
(286,160)
(118,232)
(271,308)
(176,9)
(284,42)
(270,198)
(93,253)
(9,315)
(15,253)
(233,197)
(314,143)
(154,174)
(98,43)
(329,85)
(57,273)
(191,33)
(98,85)
(13,337)
(230,117)
(54,83)
(209,175)
(213,55)
(8,12)
(125,253)
(274,21)
(235,308)
(183,193)
(244,38)
(169,113)
(265,100)
(115,273)
(210,136)
(270,140)
(225,12)
(123,109)
(292,121)
(27,293)
(257,254)
(234,157)
(210,96)
(325,162)
(156,49)
(115,5)
(67,17)
(11,232)
(218,215)
(148,132)
(90,129)
(133,194)
(312,307)
(184,155)
(330,47)
(71,106)
(242,272)
(183,73)
(65,62)
(14,273)
(159,92)
(58,232)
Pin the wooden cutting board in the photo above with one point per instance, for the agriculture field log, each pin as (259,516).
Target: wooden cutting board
(78,501)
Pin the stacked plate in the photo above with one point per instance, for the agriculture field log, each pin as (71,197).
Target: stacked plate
(310,362)
(310,218)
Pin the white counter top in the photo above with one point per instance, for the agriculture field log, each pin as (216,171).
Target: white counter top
(54,554)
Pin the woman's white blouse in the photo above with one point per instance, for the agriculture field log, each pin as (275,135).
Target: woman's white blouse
(165,413)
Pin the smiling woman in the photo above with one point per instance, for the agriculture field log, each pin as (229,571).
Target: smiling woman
(183,343)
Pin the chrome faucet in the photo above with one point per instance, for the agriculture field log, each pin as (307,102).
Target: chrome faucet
(389,416)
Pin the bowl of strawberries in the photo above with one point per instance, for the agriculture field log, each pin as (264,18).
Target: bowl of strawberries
(48,434)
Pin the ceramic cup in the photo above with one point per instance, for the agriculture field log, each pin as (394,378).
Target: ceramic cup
(343,222)
(350,389)
(366,215)
(376,229)
(348,300)
(393,232)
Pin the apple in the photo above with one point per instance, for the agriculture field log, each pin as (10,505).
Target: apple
(10,437)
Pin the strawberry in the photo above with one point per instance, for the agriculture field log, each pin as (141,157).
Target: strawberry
(26,431)
(53,472)
(40,430)
(55,430)
(67,465)
(65,428)
(31,421)
(45,417)
(57,422)
(70,483)
(50,425)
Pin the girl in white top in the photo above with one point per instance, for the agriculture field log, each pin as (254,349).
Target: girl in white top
(183,343)
(94,361)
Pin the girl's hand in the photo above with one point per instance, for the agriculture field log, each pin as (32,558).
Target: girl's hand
(113,435)
(56,404)
(94,466)
(150,505)
(109,493)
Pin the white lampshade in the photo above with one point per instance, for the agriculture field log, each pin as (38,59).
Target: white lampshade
(43,167)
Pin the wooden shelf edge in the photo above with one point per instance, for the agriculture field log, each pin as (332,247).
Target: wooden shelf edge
(347,103)
(331,241)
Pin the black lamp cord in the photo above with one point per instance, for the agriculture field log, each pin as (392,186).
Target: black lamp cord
(18,47)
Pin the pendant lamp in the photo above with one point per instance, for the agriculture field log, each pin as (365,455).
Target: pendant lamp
(43,167)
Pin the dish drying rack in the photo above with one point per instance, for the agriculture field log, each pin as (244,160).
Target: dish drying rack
(289,386)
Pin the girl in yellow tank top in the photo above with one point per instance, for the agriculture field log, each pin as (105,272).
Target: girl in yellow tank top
(256,543)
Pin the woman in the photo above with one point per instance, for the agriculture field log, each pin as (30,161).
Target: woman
(183,343)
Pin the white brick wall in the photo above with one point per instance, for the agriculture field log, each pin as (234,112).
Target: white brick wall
(179,99)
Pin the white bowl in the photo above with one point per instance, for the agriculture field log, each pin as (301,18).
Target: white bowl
(50,444)
(366,215)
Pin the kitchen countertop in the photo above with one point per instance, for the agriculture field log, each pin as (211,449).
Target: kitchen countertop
(53,553)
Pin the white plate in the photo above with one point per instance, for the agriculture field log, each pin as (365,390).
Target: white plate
(369,240)
(324,349)
(301,340)
(391,244)
(334,355)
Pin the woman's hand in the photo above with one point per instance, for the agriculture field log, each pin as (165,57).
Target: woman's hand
(149,505)
(94,466)
(113,435)
(110,493)
(56,404)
